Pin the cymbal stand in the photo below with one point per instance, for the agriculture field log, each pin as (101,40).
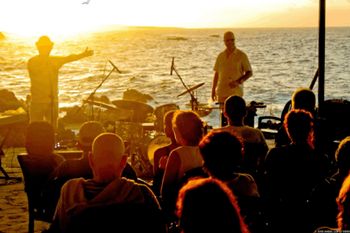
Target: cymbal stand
(92,94)
(193,101)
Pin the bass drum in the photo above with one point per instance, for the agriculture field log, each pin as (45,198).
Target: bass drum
(156,143)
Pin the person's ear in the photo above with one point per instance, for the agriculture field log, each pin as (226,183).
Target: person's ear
(225,115)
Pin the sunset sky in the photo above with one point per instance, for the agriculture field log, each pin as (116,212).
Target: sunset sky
(33,17)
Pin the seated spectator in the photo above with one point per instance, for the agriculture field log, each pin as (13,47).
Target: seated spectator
(188,131)
(75,168)
(343,201)
(343,217)
(222,155)
(291,173)
(302,98)
(208,205)
(326,192)
(40,144)
(255,145)
(162,153)
(107,161)
(342,157)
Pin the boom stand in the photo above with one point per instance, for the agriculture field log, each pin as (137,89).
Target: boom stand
(91,96)
(193,101)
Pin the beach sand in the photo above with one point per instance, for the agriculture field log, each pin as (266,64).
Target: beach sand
(13,199)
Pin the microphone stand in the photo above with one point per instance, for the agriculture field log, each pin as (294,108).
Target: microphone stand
(194,102)
(91,96)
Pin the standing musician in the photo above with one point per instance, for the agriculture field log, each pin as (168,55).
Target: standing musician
(232,69)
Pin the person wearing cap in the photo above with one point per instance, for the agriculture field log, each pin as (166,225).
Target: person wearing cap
(74,168)
(43,72)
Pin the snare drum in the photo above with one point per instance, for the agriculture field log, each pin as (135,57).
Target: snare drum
(159,112)
(156,143)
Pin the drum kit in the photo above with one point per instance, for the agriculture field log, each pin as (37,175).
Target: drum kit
(142,137)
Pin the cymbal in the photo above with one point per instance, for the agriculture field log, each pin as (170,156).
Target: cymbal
(191,89)
(101,104)
(141,110)
(132,105)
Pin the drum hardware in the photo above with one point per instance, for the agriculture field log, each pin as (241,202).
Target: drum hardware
(140,110)
(92,94)
(194,103)
(135,139)
(157,142)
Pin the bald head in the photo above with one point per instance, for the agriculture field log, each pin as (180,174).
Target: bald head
(107,159)
(229,40)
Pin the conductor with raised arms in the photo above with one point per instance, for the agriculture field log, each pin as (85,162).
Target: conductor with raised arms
(43,72)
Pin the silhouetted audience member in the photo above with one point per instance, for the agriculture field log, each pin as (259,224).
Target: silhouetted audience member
(292,171)
(208,205)
(75,168)
(326,192)
(342,156)
(302,98)
(162,153)
(40,144)
(343,201)
(222,154)
(188,130)
(235,111)
(343,215)
(107,161)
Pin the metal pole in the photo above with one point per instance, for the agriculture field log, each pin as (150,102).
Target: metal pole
(321,57)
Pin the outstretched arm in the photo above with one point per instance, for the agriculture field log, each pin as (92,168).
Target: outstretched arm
(74,57)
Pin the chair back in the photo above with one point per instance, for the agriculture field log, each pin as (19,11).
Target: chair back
(41,198)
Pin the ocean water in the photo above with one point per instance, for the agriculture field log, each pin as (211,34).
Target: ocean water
(282,60)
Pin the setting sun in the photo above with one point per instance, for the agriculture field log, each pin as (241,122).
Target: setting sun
(63,18)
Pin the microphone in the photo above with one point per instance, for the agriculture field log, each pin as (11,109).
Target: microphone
(115,67)
(172,67)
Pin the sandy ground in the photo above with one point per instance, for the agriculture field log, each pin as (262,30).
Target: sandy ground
(13,199)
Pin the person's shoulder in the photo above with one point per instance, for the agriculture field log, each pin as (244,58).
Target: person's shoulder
(73,184)
(239,51)
(276,153)
(245,177)
(33,59)
(222,53)
(252,129)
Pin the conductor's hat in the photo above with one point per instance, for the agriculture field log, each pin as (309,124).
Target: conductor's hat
(44,41)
